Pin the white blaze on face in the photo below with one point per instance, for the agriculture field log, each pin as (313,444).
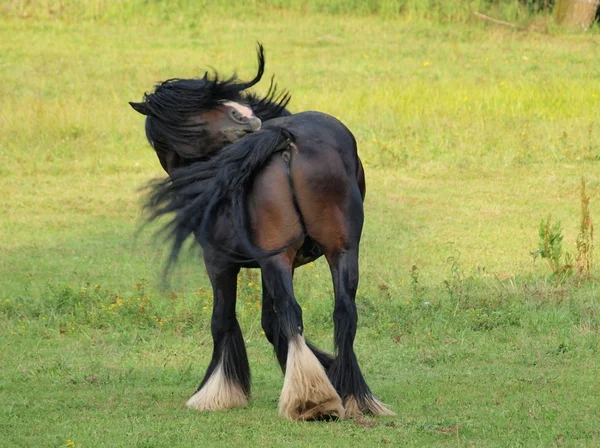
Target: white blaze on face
(244,110)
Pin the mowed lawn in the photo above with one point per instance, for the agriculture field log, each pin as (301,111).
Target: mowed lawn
(470,134)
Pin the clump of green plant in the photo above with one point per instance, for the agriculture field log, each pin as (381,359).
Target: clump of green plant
(550,248)
(550,245)
(458,285)
(585,239)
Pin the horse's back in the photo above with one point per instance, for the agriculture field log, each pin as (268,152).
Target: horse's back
(316,132)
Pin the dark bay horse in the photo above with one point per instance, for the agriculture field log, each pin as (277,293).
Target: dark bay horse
(259,187)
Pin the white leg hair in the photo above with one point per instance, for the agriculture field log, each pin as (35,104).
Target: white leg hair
(373,407)
(307,393)
(218,393)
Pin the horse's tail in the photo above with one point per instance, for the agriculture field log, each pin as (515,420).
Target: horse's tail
(199,193)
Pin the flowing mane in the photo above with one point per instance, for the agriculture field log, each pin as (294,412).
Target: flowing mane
(170,109)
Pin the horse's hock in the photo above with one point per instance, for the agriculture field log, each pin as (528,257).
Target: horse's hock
(576,13)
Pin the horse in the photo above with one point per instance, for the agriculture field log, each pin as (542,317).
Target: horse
(259,187)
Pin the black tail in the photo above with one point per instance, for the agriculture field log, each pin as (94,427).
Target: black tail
(218,186)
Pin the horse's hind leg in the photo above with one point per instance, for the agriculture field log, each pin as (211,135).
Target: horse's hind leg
(270,325)
(226,383)
(345,373)
(337,226)
(307,393)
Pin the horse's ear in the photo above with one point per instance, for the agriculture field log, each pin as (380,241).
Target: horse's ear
(142,108)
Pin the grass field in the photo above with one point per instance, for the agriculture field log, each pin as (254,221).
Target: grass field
(471,135)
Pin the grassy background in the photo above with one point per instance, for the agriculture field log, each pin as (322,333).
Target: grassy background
(132,10)
(470,134)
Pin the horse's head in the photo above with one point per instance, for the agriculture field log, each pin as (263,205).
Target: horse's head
(188,119)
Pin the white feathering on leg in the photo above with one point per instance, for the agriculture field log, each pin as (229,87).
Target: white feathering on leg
(307,393)
(218,393)
(372,407)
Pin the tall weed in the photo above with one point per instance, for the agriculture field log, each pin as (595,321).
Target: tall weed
(585,239)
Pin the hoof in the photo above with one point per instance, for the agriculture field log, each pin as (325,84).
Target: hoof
(329,410)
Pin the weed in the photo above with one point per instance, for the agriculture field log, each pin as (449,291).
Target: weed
(550,244)
(458,285)
(550,249)
(585,238)
(416,288)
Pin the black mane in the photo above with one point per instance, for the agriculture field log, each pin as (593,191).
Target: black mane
(272,105)
(175,101)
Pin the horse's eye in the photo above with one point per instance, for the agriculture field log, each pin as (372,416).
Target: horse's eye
(236,114)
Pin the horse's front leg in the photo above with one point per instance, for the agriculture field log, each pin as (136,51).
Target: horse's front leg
(307,393)
(226,383)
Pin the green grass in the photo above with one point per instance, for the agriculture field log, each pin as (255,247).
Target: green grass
(471,135)
(523,11)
